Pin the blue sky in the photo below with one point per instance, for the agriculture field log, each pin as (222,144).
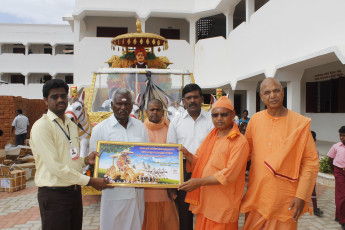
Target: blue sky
(35,11)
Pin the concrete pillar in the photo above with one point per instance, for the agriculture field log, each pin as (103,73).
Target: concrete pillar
(27,46)
(293,78)
(294,96)
(27,78)
(76,30)
(229,18)
(231,94)
(79,29)
(250,9)
(251,98)
(192,30)
(143,23)
(53,49)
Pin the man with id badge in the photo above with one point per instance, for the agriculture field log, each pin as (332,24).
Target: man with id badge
(55,145)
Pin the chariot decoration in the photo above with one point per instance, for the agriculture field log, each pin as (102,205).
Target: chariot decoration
(91,105)
(127,43)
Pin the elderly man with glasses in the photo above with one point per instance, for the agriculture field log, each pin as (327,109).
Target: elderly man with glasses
(216,187)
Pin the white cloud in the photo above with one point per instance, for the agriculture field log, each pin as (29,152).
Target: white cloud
(38,11)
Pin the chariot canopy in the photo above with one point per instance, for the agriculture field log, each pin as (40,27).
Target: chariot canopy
(139,39)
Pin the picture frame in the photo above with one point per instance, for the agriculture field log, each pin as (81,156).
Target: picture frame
(135,164)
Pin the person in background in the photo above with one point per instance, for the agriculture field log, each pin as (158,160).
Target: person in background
(160,209)
(317,211)
(337,163)
(189,129)
(54,141)
(245,117)
(218,167)
(243,127)
(20,125)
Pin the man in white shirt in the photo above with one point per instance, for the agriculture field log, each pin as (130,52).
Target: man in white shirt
(20,124)
(189,129)
(121,208)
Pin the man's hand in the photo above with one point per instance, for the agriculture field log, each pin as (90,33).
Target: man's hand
(298,205)
(186,154)
(190,185)
(99,183)
(91,159)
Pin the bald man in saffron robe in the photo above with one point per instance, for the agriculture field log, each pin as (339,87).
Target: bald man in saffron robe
(216,187)
(284,164)
(160,209)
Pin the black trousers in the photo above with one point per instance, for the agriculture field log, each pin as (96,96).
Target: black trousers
(185,216)
(20,139)
(60,209)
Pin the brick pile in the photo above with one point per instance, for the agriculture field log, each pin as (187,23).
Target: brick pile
(32,108)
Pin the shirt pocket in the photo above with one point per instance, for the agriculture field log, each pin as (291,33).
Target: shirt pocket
(219,160)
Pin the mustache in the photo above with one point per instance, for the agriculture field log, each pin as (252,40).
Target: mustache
(193,104)
(123,111)
(61,103)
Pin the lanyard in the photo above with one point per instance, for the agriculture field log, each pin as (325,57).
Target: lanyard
(68,136)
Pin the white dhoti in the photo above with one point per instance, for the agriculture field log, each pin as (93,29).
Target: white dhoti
(122,214)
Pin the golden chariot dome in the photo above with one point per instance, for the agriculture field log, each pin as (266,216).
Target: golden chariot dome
(131,41)
(139,39)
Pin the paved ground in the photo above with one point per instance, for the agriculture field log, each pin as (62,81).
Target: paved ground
(19,211)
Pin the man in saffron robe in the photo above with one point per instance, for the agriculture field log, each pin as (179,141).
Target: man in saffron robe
(284,164)
(337,163)
(160,209)
(216,187)
(189,129)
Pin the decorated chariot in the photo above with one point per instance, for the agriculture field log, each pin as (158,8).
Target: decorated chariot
(138,69)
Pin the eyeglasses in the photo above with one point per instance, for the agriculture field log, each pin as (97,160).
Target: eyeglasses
(215,115)
(56,96)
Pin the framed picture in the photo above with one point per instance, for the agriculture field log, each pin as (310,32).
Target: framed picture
(131,164)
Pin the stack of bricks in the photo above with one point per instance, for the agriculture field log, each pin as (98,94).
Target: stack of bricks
(32,108)
(11,181)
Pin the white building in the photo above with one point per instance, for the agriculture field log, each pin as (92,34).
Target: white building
(231,44)
(32,54)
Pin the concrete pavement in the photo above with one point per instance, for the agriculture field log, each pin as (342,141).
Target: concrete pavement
(19,211)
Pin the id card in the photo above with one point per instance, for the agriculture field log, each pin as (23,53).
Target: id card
(74,153)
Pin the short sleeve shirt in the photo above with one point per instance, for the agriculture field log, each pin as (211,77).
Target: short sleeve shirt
(337,153)
(20,123)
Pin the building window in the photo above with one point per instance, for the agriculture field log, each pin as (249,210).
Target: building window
(18,50)
(45,78)
(239,13)
(170,33)
(48,50)
(17,79)
(326,96)
(69,79)
(111,32)
(260,3)
(213,26)
(68,50)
